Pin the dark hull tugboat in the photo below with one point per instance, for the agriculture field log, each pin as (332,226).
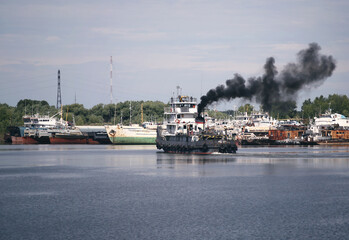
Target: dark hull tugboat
(185,132)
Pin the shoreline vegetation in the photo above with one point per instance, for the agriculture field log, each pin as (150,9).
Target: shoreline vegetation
(110,114)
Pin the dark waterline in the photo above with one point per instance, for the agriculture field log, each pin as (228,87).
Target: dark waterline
(136,192)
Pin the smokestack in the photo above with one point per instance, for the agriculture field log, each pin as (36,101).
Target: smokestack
(274,88)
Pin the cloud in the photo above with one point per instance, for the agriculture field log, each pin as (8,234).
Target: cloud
(9,62)
(66,60)
(208,47)
(10,38)
(288,46)
(131,34)
(181,60)
(52,39)
(343,66)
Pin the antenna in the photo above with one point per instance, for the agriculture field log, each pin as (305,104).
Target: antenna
(59,96)
(111,79)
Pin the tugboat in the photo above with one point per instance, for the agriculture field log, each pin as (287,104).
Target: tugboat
(185,131)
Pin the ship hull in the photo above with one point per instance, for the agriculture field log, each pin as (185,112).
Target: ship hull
(131,135)
(23,140)
(67,140)
(95,134)
(183,144)
(29,140)
(132,140)
(92,141)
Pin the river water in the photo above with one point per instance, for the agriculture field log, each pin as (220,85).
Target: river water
(137,192)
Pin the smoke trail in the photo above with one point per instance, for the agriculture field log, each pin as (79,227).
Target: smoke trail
(273,87)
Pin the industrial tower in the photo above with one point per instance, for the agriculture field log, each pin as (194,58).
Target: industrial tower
(111,79)
(59,97)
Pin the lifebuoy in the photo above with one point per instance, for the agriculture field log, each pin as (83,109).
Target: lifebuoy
(112,133)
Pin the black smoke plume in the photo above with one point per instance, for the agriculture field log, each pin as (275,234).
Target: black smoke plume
(275,88)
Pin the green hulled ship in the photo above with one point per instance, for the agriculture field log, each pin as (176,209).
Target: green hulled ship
(135,134)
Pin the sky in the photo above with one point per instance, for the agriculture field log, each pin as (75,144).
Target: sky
(159,45)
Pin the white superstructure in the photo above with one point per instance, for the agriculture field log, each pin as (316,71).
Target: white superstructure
(38,121)
(329,119)
(181,115)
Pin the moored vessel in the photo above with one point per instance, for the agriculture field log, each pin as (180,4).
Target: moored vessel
(34,131)
(95,134)
(68,136)
(134,134)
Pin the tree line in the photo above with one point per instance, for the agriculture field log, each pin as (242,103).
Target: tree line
(102,114)
(310,108)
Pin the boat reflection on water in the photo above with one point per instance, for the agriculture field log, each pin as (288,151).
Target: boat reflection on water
(256,162)
(188,165)
(218,165)
(175,158)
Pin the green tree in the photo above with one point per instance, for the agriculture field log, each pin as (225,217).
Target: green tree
(217,114)
(246,108)
(80,120)
(335,103)
(94,119)
(283,110)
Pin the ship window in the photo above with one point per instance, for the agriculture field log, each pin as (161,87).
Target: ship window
(178,116)
(185,127)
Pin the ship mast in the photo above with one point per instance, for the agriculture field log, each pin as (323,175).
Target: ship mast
(61,114)
(141,112)
(130,114)
(114,113)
